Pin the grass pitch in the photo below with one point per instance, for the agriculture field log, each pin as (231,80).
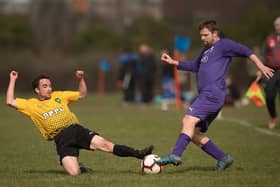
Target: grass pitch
(28,160)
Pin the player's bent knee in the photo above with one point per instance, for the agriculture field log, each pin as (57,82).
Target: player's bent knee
(72,169)
(184,120)
(71,165)
(74,172)
(200,139)
(196,141)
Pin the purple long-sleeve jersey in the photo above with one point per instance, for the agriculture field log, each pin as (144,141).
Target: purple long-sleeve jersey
(212,65)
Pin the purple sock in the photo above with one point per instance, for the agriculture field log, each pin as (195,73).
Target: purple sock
(181,144)
(211,149)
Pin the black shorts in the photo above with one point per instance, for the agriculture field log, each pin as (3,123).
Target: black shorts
(70,140)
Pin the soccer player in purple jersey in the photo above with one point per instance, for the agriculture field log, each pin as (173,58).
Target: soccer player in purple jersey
(211,67)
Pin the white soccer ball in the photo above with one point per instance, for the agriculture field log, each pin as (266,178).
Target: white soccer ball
(149,165)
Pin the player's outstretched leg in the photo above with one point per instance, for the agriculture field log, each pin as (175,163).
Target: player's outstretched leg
(224,163)
(102,144)
(223,160)
(125,151)
(144,152)
(175,157)
(170,159)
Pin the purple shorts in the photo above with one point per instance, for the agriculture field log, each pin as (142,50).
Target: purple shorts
(205,108)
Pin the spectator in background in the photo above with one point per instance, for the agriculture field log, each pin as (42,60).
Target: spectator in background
(272,59)
(148,69)
(127,74)
(232,93)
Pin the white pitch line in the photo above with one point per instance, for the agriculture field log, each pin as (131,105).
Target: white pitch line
(247,124)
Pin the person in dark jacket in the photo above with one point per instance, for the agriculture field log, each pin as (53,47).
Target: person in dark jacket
(127,74)
(148,69)
(272,60)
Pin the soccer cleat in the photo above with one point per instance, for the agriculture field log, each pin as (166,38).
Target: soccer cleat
(170,159)
(224,163)
(146,151)
(84,169)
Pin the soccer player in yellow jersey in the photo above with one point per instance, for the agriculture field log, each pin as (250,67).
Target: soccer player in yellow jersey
(51,115)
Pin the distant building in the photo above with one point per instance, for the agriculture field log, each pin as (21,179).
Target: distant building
(14,6)
(109,11)
(125,11)
(190,12)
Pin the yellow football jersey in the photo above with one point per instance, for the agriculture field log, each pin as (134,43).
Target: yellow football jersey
(52,115)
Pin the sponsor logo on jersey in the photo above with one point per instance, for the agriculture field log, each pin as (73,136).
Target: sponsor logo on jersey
(50,113)
(204,59)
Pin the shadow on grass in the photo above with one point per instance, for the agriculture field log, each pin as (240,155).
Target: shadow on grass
(118,172)
(135,172)
(166,169)
(50,171)
(62,172)
(191,169)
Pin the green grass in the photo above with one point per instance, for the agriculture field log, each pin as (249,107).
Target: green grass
(28,160)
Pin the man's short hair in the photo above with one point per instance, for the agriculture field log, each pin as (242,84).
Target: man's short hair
(36,80)
(211,25)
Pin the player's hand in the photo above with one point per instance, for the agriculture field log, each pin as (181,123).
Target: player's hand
(166,58)
(267,72)
(80,74)
(13,75)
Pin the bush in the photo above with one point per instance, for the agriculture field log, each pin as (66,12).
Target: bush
(15,31)
(98,38)
(254,27)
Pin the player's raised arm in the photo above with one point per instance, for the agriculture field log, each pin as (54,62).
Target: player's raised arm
(82,89)
(10,99)
(266,71)
(166,58)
